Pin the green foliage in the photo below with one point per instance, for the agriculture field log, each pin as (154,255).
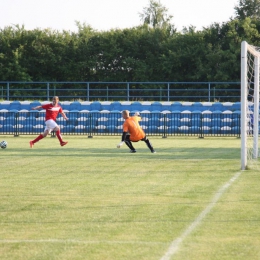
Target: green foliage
(248,8)
(143,53)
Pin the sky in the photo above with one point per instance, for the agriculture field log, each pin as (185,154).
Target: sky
(104,15)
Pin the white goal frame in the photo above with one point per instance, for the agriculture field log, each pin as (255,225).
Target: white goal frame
(250,57)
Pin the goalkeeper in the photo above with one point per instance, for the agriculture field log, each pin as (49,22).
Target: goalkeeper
(132,132)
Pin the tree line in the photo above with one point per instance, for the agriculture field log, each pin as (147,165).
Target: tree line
(153,51)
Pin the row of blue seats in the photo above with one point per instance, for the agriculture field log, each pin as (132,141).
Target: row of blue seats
(106,122)
(126,105)
(114,129)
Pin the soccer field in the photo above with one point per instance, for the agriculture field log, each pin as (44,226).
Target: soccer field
(90,200)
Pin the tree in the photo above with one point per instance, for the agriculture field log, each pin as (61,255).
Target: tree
(156,15)
(248,8)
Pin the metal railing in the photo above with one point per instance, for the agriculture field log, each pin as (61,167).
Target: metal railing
(121,91)
(96,123)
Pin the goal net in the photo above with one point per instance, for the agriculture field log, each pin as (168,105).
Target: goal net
(250,56)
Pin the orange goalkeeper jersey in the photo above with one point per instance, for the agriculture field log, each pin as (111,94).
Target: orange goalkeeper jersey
(132,126)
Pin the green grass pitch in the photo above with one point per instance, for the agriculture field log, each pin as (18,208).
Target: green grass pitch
(90,200)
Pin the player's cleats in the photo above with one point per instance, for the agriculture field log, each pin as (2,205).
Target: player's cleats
(31,144)
(153,151)
(63,143)
(132,151)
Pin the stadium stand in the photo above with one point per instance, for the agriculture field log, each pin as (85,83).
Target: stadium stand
(105,117)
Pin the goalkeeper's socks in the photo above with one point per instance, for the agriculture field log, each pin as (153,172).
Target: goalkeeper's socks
(149,145)
(129,144)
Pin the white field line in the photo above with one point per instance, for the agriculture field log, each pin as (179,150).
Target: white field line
(75,241)
(174,246)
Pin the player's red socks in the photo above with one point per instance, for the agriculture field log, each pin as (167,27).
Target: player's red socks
(59,136)
(37,139)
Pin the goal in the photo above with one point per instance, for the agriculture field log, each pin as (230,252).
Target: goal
(250,56)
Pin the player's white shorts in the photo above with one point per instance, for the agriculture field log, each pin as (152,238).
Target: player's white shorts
(50,125)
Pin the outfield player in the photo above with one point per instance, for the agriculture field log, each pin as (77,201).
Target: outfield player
(52,111)
(132,132)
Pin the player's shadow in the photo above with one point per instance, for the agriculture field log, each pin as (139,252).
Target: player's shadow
(180,153)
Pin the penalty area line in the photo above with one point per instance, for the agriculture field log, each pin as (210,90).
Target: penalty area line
(174,246)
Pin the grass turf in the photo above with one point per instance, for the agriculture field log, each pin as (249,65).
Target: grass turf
(89,200)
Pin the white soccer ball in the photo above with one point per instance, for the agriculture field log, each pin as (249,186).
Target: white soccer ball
(3,144)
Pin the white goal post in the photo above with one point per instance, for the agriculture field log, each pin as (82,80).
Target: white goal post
(250,56)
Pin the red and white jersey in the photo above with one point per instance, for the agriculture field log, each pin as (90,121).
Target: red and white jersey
(52,111)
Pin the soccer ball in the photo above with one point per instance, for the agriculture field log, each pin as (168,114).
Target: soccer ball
(3,144)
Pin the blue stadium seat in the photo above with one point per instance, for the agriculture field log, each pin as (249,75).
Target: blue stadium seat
(186,114)
(217,106)
(227,106)
(95,105)
(68,129)
(31,120)
(184,129)
(206,106)
(226,122)
(196,115)
(119,128)
(103,121)
(126,105)
(206,122)
(5,105)
(215,129)
(173,129)
(80,129)
(136,105)
(65,105)
(216,122)
(106,105)
(25,105)
(111,128)
(15,105)
(195,122)
(152,129)
(235,130)
(194,129)
(176,106)
(75,105)
(217,114)
(145,121)
(187,106)
(225,130)
(227,114)
(116,105)
(11,120)
(185,121)
(21,119)
(237,106)
(100,128)
(35,104)
(38,128)
(162,129)
(205,129)
(8,128)
(146,106)
(27,128)
(197,106)
(164,121)
(85,105)
(156,106)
